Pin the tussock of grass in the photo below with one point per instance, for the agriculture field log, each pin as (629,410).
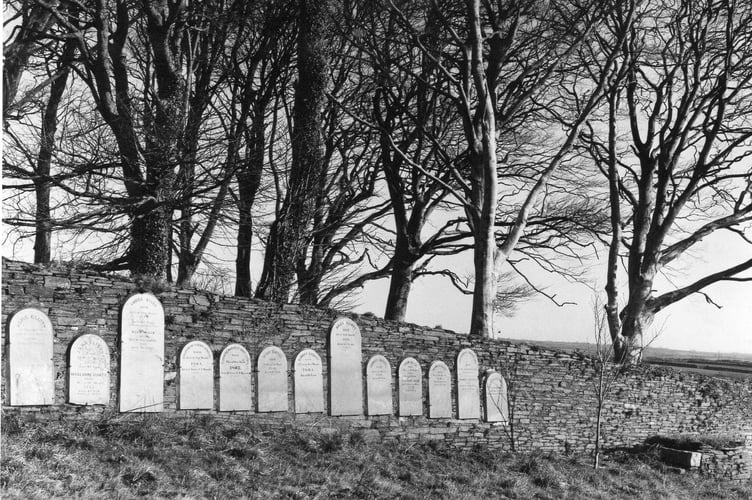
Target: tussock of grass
(153,456)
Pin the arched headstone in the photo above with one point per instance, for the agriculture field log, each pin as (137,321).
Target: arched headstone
(89,371)
(345,368)
(30,366)
(439,391)
(309,382)
(272,380)
(196,377)
(497,406)
(468,387)
(142,354)
(379,384)
(235,372)
(410,382)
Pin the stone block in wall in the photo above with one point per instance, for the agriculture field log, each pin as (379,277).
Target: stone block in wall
(57,282)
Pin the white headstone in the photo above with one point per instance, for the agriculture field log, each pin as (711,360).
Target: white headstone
(345,368)
(439,391)
(497,406)
(30,365)
(89,371)
(468,387)
(410,381)
(235,372)
(272,380)
(309,382)
(196,377)
(379,385)
(142,354)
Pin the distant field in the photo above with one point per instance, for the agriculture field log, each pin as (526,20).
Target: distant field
(734,365)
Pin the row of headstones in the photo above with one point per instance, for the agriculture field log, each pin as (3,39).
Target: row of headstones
(31,372)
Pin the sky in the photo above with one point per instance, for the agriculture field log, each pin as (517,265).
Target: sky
(690,324)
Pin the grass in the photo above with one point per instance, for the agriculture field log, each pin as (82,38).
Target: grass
(158,457)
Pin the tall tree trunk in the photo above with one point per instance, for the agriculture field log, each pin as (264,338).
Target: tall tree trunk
(292,230)
(249,181)
(637,318)
(42,184)
(486,255)
(401,280)
(481,138)
(484,290)
(149,250)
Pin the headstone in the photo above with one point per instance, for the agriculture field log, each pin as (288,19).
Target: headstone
(142,354)
(235,372)
(309,382)
(30,365)
(497,406)
(272,380)
(89,371)
(468,389)
(410,381)
(379,384)
(196,380)
(439,391)
(345,368)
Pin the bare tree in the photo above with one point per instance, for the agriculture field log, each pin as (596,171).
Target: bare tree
(607,372)
(152,71)
(30,23)
(674,146)
(502,68)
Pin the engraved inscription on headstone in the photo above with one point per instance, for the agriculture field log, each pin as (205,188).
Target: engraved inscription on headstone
(497,406)
(89,371)
(410,383)
(345,368)
(235,372)
(272,380)
(142,354)
(379,384)
(439,391)
(30,365)
(468,389)
(196,377)
(309,382)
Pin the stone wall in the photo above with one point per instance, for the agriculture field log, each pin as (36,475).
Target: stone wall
(551,393)
(732,464)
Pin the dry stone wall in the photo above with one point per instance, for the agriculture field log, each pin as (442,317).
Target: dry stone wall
(550,393)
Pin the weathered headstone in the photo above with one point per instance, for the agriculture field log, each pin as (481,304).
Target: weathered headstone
(410,381)
(345,368)
(497,406)
(89,371)
(468,388)
(309,382)
(272,380)
(379,385)
(235,372)
(439,391)
(142,354)
(196,377)
(30,365)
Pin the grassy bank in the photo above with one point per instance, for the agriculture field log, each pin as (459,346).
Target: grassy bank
(207,458)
